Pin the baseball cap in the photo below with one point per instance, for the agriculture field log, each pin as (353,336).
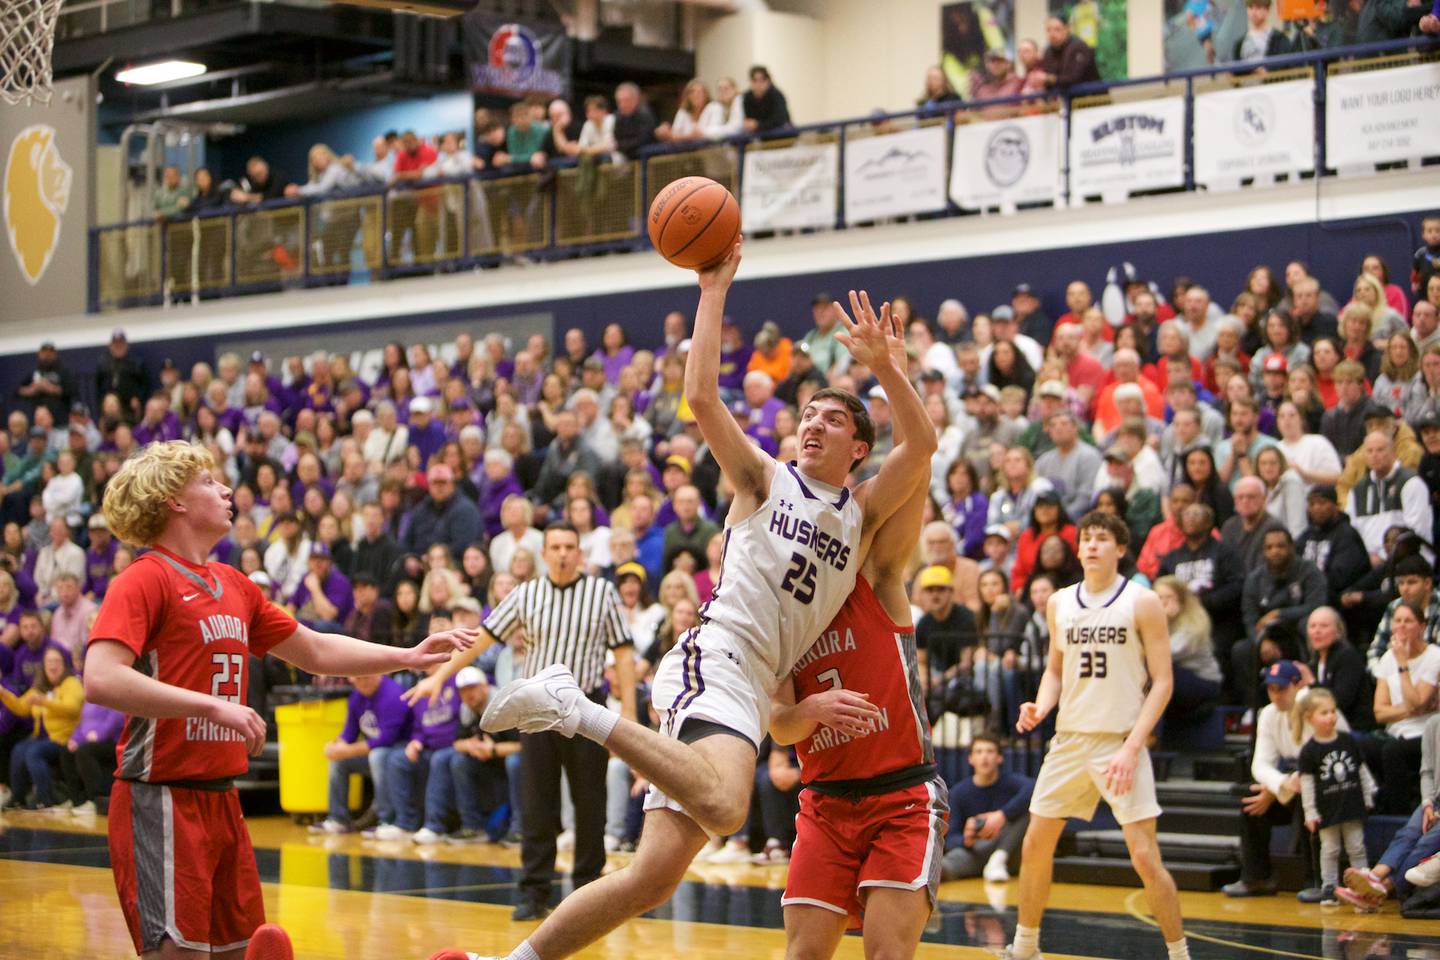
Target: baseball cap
(998,530)
(320,549)
(38,433)
(261,579)
(360,578)
(1378,411)
(1275,363)
(1324,491)
(257,357)
(1002,313)
(991,391)
(996,53)
(97,521)
(421,405)
(468,604)
(936,576)
(936,376)
(1023,289)
(877,392)
(1116,455)
(117,334)
(802,349)
(48,345)
(593,363)
(631,569)
(821,299)
(1428,419)
(675,460)
(468,677)
(1282,673)
(77,408)
(1051,388)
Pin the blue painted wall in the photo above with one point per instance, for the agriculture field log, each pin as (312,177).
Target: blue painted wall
(1219,261)
(286,145)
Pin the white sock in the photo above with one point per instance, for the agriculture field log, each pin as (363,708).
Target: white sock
(596,722)
(523,952)
(1027,942)
(1179,950)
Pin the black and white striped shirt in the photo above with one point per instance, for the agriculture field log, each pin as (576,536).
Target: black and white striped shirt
(574,625)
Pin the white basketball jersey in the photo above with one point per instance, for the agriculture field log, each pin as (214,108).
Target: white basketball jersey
(786,569)
(1103,678)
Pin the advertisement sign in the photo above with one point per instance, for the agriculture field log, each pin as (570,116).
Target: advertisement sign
(790,188)
(895,175)
(1256,131)
(1006,162)
(1379,116)
(1124,147)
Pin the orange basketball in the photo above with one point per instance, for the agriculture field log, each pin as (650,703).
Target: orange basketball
(694,222)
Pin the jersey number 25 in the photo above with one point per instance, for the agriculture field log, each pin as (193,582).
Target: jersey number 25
(800,578)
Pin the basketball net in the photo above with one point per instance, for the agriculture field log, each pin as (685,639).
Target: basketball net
(27,37)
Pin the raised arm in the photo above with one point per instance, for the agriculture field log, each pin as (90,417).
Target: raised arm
(744,465)
(870,341)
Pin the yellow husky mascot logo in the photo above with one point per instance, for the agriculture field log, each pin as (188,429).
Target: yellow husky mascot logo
(37,191)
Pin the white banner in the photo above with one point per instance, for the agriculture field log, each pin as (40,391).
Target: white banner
(1256,131)
(1378,116)
(790,188)
(1125,147)
(1006,161)
(895,175)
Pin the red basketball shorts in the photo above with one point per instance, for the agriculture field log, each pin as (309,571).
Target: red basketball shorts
(184,867)
(843,847)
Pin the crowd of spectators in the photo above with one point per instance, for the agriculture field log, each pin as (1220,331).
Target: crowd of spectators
(1278,463)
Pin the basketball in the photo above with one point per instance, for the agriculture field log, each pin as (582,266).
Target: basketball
(694,222)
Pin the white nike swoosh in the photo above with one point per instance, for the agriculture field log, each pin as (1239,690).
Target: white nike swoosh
(190,597)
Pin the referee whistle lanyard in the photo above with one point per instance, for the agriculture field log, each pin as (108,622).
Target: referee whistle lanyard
(214,592)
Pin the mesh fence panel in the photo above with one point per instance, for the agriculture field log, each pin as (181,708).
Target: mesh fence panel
(335,228)
(598,202)
(268,245)
(510,216)
(720,164)
(129,264)
(197,254)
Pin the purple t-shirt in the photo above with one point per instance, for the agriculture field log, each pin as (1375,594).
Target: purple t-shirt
(436,722)
(613,365)
(427,439)
(760,423)
(382,719)
(733,366)
(167,429)
(101,721)
(98,565)
(28,664)
(337,590)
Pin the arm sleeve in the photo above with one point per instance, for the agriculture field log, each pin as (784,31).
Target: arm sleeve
(1315,594)
(1307,796)
(1229,585)
(1264,767)
(393,718)
(134,603)
(617,633)
(1019,803)
(1415,507)
(351,731)
(505,619)
(269,625)
(1368,785)
(69,700)
(1380,644)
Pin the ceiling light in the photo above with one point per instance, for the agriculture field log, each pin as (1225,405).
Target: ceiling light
(162,72)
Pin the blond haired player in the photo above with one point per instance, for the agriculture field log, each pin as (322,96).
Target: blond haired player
(1108,642)
(171,649)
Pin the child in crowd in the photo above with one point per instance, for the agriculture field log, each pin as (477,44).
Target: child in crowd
(1336,789)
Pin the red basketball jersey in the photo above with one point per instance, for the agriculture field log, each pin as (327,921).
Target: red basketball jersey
(864,650)
(193,627)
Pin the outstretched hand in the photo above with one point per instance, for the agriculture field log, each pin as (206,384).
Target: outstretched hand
(438,647)
(720,275)
(871,339)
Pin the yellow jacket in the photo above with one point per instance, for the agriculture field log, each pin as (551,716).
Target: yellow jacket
(1407,450)
(59,710)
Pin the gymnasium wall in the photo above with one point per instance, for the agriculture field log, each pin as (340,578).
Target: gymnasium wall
(1218,259)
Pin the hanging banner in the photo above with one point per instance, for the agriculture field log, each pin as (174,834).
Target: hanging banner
(895,175)
(1125,147)
(1006,162)
(1378,116)
(790,188)
(509,59)
(1255,131)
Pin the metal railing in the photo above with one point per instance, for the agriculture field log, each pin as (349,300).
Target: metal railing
(574,209)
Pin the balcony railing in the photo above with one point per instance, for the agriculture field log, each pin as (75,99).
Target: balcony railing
(1350,111)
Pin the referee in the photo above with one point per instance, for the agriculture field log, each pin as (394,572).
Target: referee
(572,619)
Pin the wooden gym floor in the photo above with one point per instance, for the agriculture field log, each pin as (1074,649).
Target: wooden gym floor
(342,897)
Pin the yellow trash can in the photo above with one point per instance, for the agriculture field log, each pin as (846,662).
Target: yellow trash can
(305,728)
